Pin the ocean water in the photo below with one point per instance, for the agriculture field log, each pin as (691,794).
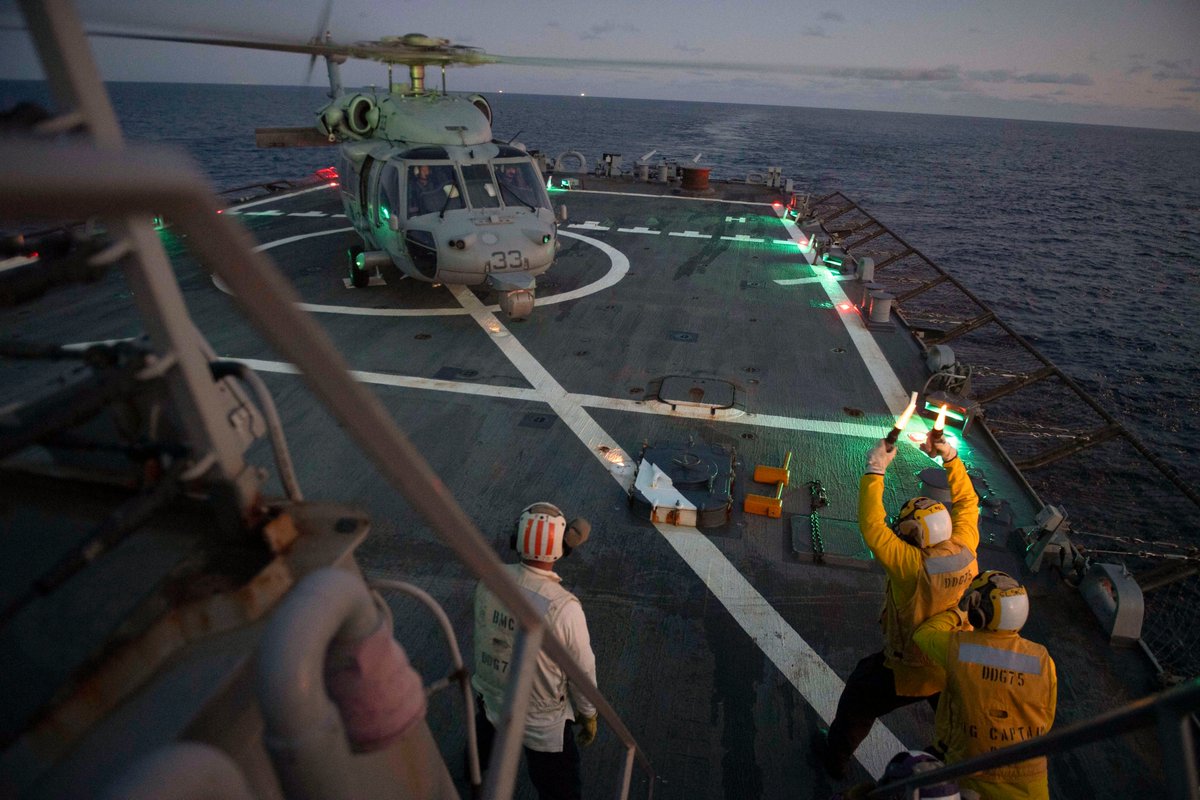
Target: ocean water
(1085,239)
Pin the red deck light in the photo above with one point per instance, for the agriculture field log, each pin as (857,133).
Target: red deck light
(328,173)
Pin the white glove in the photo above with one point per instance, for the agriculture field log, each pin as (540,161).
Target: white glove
(939,447)
(879,456)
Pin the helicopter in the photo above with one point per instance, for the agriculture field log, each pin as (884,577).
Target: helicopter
(421,179)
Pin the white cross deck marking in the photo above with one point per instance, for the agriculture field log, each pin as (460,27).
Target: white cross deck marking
(813,279)
(741,237)
(735,219)
(800,664)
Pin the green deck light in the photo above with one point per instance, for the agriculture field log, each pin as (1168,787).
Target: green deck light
(383,212)
(950,413)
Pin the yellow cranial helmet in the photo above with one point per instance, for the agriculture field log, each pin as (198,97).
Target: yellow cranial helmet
(924,522)
(996,602)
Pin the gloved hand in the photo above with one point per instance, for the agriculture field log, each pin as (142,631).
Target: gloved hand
(878,458)
(939,447)
(587,730)
(969,602)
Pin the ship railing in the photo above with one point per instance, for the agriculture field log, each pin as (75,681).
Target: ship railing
(100,177)
(1053,436)
(1170,712)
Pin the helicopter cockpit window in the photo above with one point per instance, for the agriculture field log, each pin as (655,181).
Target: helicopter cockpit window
(480,189)
(432,188)
(519,185)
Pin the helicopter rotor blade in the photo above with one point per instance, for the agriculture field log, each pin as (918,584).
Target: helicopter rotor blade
(388,51)
(321,33)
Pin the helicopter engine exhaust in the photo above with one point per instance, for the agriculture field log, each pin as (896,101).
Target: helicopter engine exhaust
(481,102)
(362,115)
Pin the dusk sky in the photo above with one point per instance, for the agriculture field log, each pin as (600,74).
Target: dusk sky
(1099,61)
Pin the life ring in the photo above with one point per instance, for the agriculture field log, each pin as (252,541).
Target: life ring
(558,162)
(756,178)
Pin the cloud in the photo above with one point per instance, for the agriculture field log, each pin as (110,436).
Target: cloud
(815,31)
(1176,70)
(683,48)
(1008,76)
(991,75)
(892,74)
(554,25)
(1074,79)
(973,29)
(601,30)
(832,16)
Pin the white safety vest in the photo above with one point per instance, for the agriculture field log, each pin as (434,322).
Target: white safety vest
(552,700)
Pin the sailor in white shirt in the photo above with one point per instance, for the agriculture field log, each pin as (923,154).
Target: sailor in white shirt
(542,537)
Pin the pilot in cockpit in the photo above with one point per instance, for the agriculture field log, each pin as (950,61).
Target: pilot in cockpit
(425,193)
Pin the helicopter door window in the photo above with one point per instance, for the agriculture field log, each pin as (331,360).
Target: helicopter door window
(480,189)
(389,182)
(519,185)
(432,188)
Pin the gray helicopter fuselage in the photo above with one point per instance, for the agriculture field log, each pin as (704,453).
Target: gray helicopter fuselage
(424,183)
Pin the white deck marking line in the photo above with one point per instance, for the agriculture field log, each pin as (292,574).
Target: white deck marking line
(813,279)
(406,382)
(691,235)
(670,197)
(741,237)
(589,225)
(638,229)
(800,664)
(873,358)
(274,198)
(733,416)
(816,682)
(270,212)
(618,268)
(313,214)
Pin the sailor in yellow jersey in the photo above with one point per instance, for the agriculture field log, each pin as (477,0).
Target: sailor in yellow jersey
(1000,688)
(929,560)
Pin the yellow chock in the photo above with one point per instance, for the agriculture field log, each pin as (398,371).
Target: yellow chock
(769,506)
(765,474)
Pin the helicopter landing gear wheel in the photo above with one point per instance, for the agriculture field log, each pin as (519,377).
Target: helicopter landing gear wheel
(517,304)
(359,276)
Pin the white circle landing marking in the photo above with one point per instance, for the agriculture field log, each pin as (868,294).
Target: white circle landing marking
(618,267)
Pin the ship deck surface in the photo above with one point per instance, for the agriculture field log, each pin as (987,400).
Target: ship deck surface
(722,648)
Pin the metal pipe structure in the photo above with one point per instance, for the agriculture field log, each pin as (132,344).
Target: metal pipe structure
(459,673)
(182,771)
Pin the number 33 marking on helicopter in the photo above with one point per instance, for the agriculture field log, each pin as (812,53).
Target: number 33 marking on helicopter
(510,260)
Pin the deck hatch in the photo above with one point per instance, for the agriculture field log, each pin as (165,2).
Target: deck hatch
(682,390)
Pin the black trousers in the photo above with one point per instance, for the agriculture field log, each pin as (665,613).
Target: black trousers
(869,694)
(554,775)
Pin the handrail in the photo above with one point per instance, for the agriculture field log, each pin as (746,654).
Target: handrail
(1169,711)
(49,181)
(1156,461)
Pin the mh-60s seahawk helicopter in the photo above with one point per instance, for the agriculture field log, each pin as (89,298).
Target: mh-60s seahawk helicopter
(422,180)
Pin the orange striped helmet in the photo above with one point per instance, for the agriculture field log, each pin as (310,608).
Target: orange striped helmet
(541,529)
